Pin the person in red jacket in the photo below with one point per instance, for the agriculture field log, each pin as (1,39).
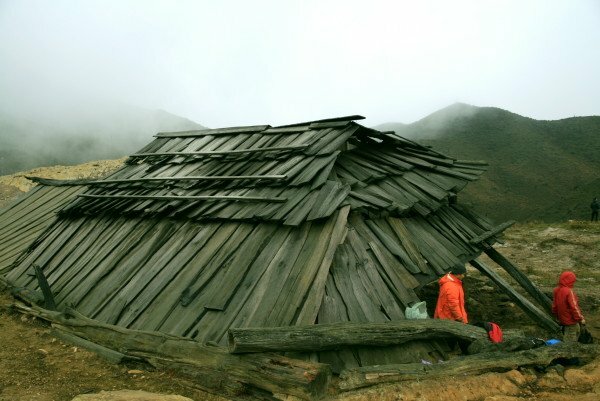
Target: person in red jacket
(451,300)
(565,307)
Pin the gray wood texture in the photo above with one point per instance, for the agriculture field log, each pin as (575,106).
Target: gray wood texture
(468,365)
(322,337)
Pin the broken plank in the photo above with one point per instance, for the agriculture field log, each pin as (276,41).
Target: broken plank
(521,278)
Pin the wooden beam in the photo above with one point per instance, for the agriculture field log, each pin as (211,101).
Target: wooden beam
(496,230)
(222,152)
(209,366)
(45,287)
(466,365)
(107,354)
(323,337)
(192,198)
(533,311)
(213,132)
(521,278)
(192,178)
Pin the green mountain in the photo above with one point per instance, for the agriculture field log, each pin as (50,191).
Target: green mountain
(539,170)
(77,137)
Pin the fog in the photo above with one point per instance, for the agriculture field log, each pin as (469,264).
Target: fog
(71,64)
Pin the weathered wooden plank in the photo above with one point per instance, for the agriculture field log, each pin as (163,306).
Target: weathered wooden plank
(188,198)
(454,245)
(407,242)
(190,178)
(533,311)
(369,200)
(146,283)
(55,267)
(333,311)
(329,199)
(341,269)
(391,245)
(236,269)
(308,174)
(354,170)
(439,245)
(401,279)
(425,185)
(426,244)
(491,233)
(377,288)
(301,276)
(39,252)
(363,289)
(424,199)
(279,270)
(222,152)
(311,306)
(212,132)
(333,140)
(188,267)
(453,172)
(521,278)
(214,325)
(93,249)
(220,261)
(105,295)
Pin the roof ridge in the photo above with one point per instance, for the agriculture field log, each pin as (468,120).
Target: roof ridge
(325,120)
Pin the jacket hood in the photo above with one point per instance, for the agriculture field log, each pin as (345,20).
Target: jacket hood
(567,279)
(449,277)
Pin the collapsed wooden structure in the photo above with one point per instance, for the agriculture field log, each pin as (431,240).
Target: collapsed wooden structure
(205,232)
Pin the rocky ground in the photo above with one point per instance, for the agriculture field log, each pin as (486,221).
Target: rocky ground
(34,365)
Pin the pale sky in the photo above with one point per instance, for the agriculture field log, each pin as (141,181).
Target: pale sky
(230,63)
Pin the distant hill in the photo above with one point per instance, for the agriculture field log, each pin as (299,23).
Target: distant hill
(109,133)
(539,170)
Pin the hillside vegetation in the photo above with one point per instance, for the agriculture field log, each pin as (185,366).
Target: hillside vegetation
(539,170)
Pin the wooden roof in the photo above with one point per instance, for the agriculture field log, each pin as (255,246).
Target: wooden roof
(24,219)
(288,174)
(365,222)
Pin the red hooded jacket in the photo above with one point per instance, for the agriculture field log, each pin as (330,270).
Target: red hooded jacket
(451,301)
(565,305)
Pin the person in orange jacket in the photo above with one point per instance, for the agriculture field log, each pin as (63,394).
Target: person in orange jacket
(565,307)
(451,300)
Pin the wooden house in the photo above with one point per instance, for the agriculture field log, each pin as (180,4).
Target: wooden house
(319,222)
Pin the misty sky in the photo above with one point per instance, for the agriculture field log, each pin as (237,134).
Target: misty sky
(229,63)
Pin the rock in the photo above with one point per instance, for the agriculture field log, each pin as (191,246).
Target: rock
(129,395)
(578,378)
(135,372)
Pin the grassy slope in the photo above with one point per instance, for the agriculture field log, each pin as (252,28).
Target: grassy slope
(544,170)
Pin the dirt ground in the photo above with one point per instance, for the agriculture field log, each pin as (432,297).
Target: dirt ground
(36,366)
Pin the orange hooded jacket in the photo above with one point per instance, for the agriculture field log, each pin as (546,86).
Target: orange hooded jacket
(451,301)
(565,305)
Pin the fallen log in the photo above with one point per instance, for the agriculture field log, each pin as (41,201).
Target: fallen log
(105,353)
(211,367)
(469,365)
(324,337)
